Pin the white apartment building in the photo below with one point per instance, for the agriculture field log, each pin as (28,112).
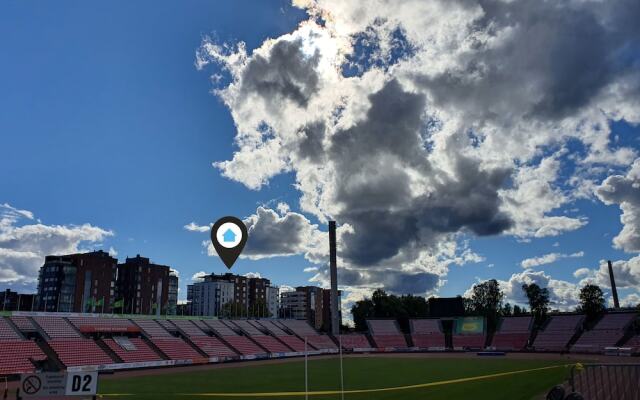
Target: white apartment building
(208,297)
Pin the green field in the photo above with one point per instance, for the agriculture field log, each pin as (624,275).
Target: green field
(359,374)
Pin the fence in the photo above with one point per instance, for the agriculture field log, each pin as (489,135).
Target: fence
(606,381)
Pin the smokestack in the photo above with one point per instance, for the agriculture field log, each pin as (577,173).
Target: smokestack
(335,324)
(614,291)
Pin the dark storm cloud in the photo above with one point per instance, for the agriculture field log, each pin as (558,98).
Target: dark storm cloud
(373,184)
(271,234)
(392,280)
(288,73)
(556,59)
(310,146)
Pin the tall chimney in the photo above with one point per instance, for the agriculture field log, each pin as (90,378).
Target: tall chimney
(335,324)
(614,291)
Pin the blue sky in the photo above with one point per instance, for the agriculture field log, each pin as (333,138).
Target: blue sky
(106,120)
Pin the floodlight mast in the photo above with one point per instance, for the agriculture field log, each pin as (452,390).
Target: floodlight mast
(614,290)
(335,321)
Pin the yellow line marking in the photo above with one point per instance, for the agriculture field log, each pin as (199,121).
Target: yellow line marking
(355,391)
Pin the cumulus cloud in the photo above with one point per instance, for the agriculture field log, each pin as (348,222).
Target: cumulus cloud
(198,275)
(25,241)
(416,123)
(271,235)
(563,295)
(548,259)
(193,227)
(626,272)
(624,191)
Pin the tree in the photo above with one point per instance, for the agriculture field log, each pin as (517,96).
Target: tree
(486,300)
(538,302)
(383,305)
(360,311)
(591,301)
(506,310)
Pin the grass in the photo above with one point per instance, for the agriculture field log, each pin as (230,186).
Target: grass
(359,373)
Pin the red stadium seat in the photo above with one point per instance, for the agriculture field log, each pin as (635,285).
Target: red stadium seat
(138,352)
(15,356)
(76,352)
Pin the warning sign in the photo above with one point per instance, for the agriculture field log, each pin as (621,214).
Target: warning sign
(40,385)
(59,384)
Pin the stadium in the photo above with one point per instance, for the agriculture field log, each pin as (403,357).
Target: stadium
(149,358)
(320,199)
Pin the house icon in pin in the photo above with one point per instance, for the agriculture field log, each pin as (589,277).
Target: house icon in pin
(229,236)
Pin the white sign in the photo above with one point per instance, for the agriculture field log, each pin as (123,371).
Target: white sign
(81,383)
(42,385)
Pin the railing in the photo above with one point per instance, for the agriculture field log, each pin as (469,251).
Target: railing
(606,381)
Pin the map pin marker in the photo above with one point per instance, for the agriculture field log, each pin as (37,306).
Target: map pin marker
(229,235)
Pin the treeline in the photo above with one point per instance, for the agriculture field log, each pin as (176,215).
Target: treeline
(486,299)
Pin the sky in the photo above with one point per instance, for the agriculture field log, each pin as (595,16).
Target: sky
(452,141)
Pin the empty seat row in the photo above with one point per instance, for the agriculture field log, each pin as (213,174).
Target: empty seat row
(188,327)
(152,328)
(383,327)
(468,341)
(425,326)
(299,327)
(271,344)
(76,352)
(101,323)
(295,343)
(429,340)
(16,356)
(56,327)
(556,335)
(6,331)
(607,333)
(212,346)
(24,324)
(220,328)
(354,341)
(271,327)
(138,352)
(176,348)
(243,345)
(390,341)
(247,328)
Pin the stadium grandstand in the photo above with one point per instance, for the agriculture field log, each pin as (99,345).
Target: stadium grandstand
(304,331)
(386,334)
(426,334)
(513,334)
(33,341)
(292,341)
(557,333)
(607,332)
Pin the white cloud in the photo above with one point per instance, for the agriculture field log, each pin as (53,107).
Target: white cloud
(193,227)
(548,259)
(563,295)
(456,121)
(625,192)
(198,275)
(25,242)
(113,252)
(631,300)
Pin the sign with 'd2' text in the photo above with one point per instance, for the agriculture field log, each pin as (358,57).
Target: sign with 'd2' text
(81,383)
